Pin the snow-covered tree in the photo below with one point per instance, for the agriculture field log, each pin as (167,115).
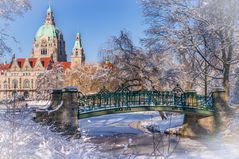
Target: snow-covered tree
(202,34)
(140,68)
(9,9)
(52,78)
(88,78)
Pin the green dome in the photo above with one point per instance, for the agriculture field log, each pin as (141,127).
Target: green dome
(47,30)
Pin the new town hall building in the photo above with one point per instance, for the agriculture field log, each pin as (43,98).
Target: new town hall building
(20,74)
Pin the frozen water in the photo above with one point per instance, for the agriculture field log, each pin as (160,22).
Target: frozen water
(114,124)
(221,146)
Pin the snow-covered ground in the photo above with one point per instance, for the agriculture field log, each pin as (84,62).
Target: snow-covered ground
(39,104)
(2,106)
(22,138)
(109,136)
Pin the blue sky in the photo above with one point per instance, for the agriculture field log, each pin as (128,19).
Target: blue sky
(96,20)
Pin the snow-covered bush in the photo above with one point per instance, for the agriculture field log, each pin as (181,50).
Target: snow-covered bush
(21,138)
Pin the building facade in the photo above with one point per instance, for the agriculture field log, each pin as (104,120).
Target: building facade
(20,75)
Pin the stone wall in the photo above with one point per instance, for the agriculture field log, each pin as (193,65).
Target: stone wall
(62,112)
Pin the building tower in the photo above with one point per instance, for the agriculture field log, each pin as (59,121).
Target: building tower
(77,55)
(49,40)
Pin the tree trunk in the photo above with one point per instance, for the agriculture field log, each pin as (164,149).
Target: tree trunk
(226,86)
(206,80)
(189,85)
(227,57)
(163,115)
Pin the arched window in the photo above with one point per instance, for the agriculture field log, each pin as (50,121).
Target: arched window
(44,43)
(76,53)
(26,84)
(5,84)
(44,51)
(26,68)
(26,94)
(44,47)
(14,83)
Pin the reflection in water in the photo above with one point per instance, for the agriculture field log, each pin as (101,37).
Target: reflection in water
(156,145)
(164,145)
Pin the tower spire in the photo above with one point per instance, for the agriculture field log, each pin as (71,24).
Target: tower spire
(78,44)
(49,16)
(49,4)
(77,56)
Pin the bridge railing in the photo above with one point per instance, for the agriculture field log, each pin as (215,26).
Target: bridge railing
(128,99)
(205,102)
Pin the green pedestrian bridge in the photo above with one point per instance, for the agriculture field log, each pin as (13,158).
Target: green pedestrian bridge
(123,101)
(202,114)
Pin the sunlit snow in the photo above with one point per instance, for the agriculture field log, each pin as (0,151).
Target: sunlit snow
(23,138)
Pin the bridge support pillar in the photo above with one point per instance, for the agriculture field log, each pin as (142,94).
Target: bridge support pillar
(220,106)
(196,125)
(62,112)
(66,115)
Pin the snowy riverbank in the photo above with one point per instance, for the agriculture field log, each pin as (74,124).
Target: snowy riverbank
(110,136)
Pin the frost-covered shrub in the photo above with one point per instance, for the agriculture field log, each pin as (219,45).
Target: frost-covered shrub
(22,138)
